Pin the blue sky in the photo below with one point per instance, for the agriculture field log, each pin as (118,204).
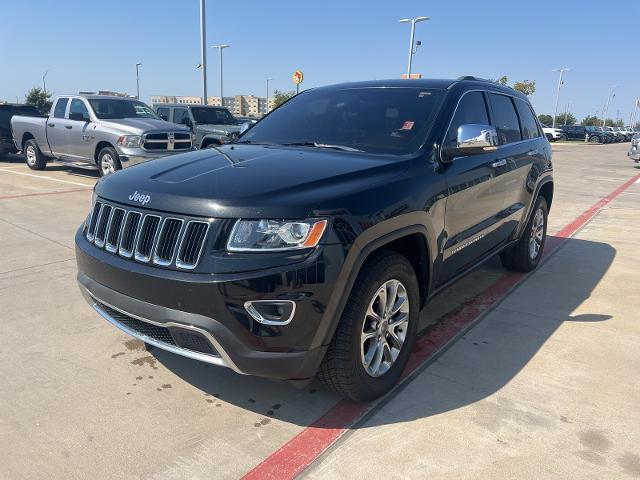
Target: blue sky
(92,45)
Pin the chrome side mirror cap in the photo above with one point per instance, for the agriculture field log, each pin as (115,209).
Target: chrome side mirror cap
(473,139)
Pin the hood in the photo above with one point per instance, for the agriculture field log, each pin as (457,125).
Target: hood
(138,126)
(250,180)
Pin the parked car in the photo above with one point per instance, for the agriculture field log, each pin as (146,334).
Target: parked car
(249,120)
(608,137)
(634,151)
(7,111)
(310,244)
(97,131)
(211,125)
(617,135)
(553,134)
(626,135)
(584,133)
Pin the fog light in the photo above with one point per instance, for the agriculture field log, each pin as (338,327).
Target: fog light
(271,312)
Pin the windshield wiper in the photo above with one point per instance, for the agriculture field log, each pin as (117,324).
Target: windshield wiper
(321,145)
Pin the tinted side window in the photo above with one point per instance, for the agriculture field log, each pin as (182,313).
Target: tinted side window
(471,109)
(505,118)
(163,113)
(527,120)
(179,114)
(78,106)
(61,106)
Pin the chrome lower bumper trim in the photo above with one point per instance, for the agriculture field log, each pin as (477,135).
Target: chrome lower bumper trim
(223,360)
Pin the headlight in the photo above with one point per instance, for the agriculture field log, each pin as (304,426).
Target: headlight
(130,141)
(274,235)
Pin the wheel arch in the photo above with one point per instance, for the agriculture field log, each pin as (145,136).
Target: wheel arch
(206,141)
(26,136)
(99,146)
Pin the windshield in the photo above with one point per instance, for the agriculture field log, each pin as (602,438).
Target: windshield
(108,108)
(215,116)
(375,120)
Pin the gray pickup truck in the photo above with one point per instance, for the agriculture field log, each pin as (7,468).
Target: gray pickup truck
(211,125)
(98,131)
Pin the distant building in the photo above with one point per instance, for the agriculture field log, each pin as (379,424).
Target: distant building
(229,102)
(243,105)
(186,100)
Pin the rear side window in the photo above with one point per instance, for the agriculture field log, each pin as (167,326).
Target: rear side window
(505,119)
(163,113)
(528,122)
(471,109)
(61,106)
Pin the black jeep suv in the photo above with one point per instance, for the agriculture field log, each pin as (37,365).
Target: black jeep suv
(310,244)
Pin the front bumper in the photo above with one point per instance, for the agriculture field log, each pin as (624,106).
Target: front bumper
(186,305)
(634,153)
(134,156)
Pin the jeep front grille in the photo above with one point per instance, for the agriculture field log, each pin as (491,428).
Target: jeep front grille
(167,141)
(147,237)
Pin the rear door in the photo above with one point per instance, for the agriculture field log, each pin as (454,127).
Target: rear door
(56,131)
(475,195)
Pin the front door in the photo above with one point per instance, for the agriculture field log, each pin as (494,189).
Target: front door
(80,137)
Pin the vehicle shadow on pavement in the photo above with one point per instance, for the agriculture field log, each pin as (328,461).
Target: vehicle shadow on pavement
(502,345)
(16,159)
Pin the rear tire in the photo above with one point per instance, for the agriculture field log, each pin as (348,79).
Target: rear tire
(108,161)
(594,139)
(525,255)
(35,158)
(372,344)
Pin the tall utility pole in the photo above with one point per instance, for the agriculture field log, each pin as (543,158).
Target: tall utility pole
(555,111)
(44,81)
(221,47)
(138,80)
(605,110)
(566,112)
(412,48)
(632,120)
(203,52)
(266,105)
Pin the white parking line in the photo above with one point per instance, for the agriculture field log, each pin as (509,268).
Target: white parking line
(44,178)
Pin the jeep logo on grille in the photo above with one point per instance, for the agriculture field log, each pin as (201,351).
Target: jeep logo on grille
(140,198)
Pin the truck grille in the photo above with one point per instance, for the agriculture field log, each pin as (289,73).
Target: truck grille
(167,141)
(147,237)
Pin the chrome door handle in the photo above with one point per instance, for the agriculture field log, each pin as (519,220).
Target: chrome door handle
(532,153)
(52,124)
(499,163)
(68,127)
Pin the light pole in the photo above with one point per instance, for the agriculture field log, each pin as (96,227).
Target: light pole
(221,47)
(44,81)
(555,112)
(203,52)
(412,48)
(566,112)
(266,105)
(138,80)
(605,110)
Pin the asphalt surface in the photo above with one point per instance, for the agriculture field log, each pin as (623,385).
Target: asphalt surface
(544,385)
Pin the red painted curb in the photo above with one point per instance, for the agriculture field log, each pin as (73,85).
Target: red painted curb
(7,197)
(303,449)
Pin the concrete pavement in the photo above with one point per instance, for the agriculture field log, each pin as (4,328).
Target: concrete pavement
(81,400)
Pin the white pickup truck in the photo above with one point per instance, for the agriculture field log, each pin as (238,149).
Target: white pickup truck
(98,131)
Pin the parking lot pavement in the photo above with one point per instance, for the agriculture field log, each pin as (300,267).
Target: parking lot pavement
(539,386)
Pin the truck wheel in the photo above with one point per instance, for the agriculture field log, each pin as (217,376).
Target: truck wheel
(594,139)
(525,255)
(108,161)
(35,159)
(375,335)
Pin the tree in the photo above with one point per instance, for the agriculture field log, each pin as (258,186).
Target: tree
(570,119)
(528,87)
(591,120)
(39,98)
(545,119)
(280,97)
(503,80)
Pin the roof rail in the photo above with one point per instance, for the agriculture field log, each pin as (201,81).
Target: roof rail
(471,77)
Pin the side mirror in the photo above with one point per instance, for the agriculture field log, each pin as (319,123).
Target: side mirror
(78,117)
(473,139)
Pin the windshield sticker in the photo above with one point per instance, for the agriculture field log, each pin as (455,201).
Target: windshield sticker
(407,125)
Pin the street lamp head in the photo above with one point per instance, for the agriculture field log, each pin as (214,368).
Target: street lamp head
(224,45)
(138,64)
(405,20)
(421,19)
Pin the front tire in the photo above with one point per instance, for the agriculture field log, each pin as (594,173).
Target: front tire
(373,341)
(35,159)
(108,161)
(525,255)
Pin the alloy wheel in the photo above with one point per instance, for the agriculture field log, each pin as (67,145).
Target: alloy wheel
(107,165)
(385,328)
(537,234)
(31,155)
